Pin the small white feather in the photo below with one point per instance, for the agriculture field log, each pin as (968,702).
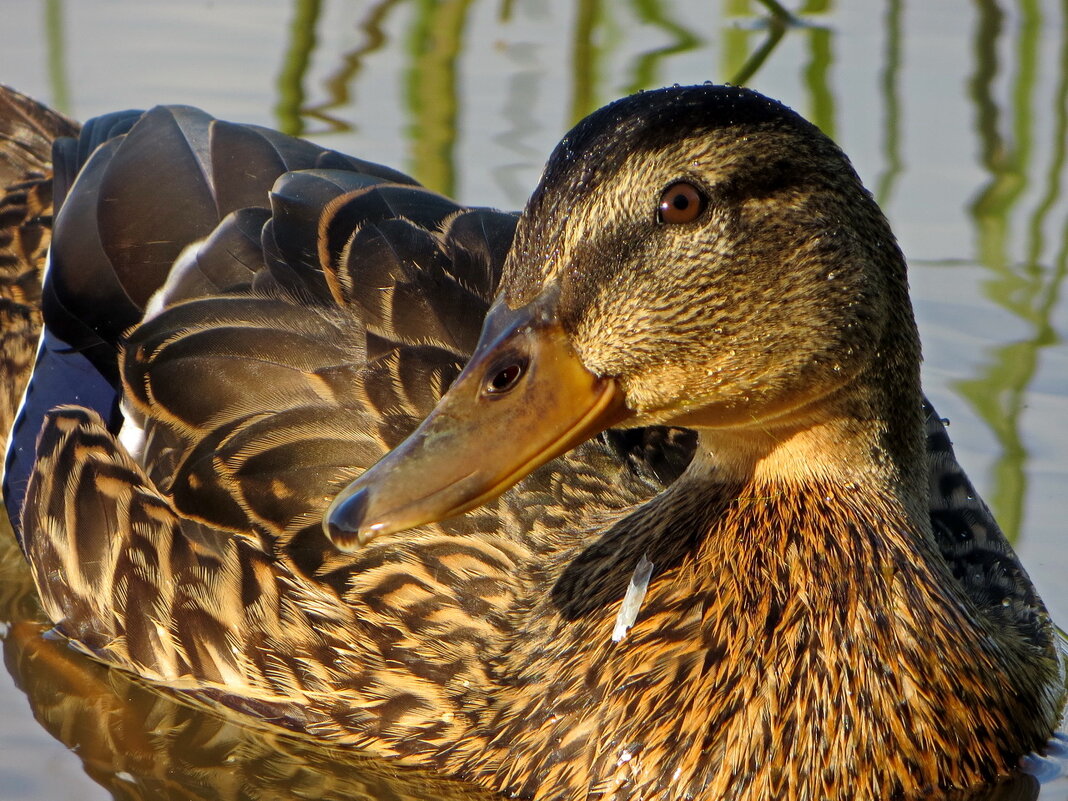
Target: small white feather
(632,601)
(132,433)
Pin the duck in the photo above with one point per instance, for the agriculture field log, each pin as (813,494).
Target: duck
(634,494)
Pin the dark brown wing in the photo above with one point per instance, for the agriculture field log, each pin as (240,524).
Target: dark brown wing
(974,545)
(137,190)
(259,402)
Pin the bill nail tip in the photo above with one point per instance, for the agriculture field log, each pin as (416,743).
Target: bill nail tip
(343,539)
(347,525)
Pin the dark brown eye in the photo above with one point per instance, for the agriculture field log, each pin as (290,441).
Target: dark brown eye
(682,202)
(505,378)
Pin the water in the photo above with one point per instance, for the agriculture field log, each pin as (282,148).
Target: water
(953,112)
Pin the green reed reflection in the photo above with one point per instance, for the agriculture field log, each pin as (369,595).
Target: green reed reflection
(288,110)
(591,48)
(817,72)
(892,111)
(754,60)
(339,83)
(1026,288)
(584,58)
(434,48)
(647,66)
(57,55)
(1054,189)
(742,61)
(435,45)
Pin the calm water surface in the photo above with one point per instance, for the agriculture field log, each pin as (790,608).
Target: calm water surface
(955,114)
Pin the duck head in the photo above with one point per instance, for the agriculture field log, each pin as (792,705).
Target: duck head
(694,256)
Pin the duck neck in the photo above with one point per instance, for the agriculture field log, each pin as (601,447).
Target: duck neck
(835,630)
(865,432)
(813,616)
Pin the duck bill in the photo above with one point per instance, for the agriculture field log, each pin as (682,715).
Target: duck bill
(523,399)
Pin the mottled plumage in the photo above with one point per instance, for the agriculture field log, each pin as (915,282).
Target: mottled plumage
(27,130)
(830,615)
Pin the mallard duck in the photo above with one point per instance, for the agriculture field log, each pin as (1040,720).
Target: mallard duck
(678,523)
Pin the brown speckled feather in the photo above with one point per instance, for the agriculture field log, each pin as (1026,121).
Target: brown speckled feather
(146,745)
(27,130)
(25,214)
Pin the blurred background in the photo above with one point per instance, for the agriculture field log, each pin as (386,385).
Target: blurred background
(955,114)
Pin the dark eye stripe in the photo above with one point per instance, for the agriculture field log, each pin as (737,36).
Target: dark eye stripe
(682,202)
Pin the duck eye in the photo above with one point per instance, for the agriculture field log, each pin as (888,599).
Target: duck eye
(682,202)
(505,379)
